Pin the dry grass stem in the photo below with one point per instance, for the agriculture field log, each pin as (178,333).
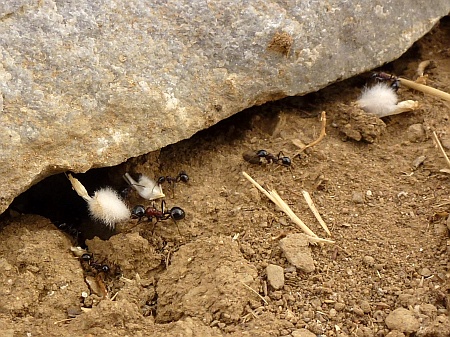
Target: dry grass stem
(405,106)
(323,119)
(421,67)
(276,199)
(79,188)
(253,290)
(438,142)
(425,89)
(316,213)
(63,321)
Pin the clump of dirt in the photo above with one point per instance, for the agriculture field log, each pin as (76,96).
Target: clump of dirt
(378,185)
(219,280)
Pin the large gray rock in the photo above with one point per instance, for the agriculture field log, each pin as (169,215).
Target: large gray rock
(91,83)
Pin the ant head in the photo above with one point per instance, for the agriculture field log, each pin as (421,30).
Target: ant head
(177,213)
(262,153)
(286,161)
(86,257)
(138,211)
(183,177)
(161,180)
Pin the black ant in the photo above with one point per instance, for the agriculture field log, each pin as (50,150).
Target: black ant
(383,77)
(88,259)
(70,229)
(255,158)
(175,213)
(182,176)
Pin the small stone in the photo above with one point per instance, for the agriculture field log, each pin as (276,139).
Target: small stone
(425,272)
(333,312)
(406,300)
(379,266)
(395,333)
(275,276)
(302,333)
(440,229)
(369,260)
(445,142)
(418,161)
(339,306)
(416,133)
(428,309)
(403,320)
(296,249)
(74,311)
(358,197)
(365,306)
(358,311)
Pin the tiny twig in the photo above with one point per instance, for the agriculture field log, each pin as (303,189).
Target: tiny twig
(425,89)
(114,296)
(316,213)
(422,66)
(250,288)
(323,118)
(436,139)
(63,321)
(276,199)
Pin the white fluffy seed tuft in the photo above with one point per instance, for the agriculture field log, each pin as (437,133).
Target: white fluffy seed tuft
(380,100)
(146,187)
(107,207)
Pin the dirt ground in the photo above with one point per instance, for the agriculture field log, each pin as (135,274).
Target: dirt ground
(383,197)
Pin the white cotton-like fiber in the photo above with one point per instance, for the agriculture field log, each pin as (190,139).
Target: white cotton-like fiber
(147,188)
(107,207)
(380,100)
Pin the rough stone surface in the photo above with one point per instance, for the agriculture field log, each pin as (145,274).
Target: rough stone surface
(89,84)
(403,320)
(295,248)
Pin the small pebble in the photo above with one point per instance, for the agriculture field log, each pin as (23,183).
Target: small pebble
(297,251)
(302,333)
(379,266)
(403,320)
(369,260)
(428,309)
(425,272)
(365,306)
(358,197)
(440,229)
(339,306)
(395,333)
(416,133)
(74,311)
(418,161)
(275,276)
(358,311)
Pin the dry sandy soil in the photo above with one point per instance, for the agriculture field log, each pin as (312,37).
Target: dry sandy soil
(383,197)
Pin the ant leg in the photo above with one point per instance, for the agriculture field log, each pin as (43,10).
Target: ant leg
(173,189)
(153,227)
(178,228)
